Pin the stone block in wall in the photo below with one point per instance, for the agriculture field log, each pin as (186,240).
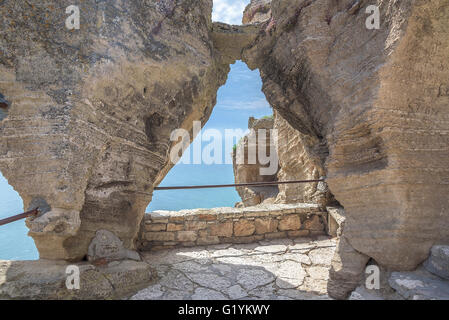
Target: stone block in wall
(186,236)
(291,222)
(156,227)
(175,227)
(313,223)
(204,241)
(223,229)
(160,236)
(196,225)
(243,228)
(177,218)
(266,225)
(336,221)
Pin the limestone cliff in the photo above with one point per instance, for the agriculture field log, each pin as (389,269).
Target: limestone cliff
(257,11)
(377,102)
(247,169)
(295,160)
(86,115)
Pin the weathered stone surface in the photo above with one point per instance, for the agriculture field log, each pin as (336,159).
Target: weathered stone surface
(157,227)
(336,221)
(261,271)
(414,286)
(160,236)
(91,110)
(438,262)
(297,163)
(257,11)
(222,229)
(292,222)
(244,228)
(314,223)
(346,270)
(186,236)
(173,227)
(376,103)
(247,169)
(45,279)
(108,246)
(265,225)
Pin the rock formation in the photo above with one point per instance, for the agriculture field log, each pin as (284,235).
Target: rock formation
(91,110)
(296,162)
(86,115)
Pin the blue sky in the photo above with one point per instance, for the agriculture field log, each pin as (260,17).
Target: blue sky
(238,100)
(229,11)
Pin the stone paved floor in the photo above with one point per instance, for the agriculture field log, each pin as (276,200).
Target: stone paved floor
(276,269)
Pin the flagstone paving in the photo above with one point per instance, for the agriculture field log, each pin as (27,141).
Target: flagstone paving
(278,269)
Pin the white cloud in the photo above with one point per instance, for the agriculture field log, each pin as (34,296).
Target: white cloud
(229,11)
(245,105)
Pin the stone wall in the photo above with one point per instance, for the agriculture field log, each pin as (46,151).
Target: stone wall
(167,229)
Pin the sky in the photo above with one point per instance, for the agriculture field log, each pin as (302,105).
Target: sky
(229,11)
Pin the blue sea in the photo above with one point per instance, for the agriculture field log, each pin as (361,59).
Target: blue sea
(238,100)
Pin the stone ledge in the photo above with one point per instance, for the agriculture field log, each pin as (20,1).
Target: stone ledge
(196,227)
(46,279)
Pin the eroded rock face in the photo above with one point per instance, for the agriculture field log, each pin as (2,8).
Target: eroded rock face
(248,165)
(297,162)
(377,102)
(91,111)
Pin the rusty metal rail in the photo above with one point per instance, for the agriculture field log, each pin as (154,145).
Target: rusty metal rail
(19,217)
(252,184)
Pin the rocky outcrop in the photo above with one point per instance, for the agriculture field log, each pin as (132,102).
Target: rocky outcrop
(58,280)
(247,164)
(91,110)
(257,11)
(197,227)
(419,284)
(297,162)
(87,114)
(377,103)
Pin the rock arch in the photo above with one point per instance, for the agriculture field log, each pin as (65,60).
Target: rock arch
(80,133)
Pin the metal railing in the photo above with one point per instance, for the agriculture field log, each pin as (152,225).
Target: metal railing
(35,212)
